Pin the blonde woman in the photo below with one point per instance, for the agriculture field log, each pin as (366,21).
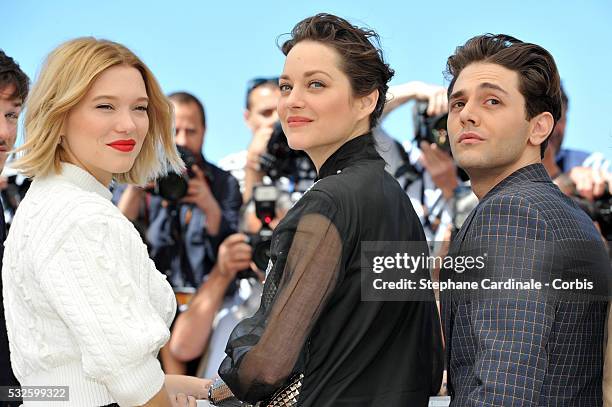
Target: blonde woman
(85,306)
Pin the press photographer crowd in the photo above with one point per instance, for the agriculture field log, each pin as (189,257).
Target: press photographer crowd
(262,249)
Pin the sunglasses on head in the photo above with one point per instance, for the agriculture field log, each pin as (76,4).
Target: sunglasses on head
(257,82)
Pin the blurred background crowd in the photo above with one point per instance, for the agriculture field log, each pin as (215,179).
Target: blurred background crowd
(209,229)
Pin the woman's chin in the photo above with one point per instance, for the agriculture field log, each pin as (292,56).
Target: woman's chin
(296,142)
(121,168)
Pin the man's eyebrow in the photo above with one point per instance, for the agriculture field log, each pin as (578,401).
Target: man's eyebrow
(457,94)
(489,85)
(484,85)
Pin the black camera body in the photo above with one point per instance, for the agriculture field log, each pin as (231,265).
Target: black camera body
(599,211)
(265,197)
(260,243)
(173,187)
(430,128)
(280,160)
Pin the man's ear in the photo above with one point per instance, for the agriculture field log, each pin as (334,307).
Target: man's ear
(367,103)
(540,127)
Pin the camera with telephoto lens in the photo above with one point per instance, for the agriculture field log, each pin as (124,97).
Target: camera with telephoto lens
(280,160)
(265,197)
(173,187)
(430,128)
(599,210)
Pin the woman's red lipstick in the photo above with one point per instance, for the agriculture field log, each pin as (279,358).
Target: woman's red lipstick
(125,146)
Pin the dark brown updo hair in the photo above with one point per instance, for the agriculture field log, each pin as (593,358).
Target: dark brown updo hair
(359,49)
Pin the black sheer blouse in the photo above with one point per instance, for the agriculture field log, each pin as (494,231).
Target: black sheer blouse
(312,320)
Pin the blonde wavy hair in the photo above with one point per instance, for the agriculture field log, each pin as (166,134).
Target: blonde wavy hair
(66,76)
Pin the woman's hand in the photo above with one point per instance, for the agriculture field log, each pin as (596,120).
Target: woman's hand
(187,385)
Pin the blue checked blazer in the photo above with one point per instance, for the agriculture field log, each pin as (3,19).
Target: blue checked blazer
(524,349)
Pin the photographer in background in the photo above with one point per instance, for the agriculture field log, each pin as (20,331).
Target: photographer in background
(208,213)
(184,234)
(259,115)
(194,326)
(575,171)
(583,176)
(204,328)
(426,170)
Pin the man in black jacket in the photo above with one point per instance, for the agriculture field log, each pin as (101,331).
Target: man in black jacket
(14,86)
(518,346)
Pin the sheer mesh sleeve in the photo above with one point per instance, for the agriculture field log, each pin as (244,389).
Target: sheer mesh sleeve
(263,350)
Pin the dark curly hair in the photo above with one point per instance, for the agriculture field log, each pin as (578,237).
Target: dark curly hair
(359,48)
(11,74)
(539,81)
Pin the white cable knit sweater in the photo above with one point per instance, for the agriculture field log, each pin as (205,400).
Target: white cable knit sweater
(85,306)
